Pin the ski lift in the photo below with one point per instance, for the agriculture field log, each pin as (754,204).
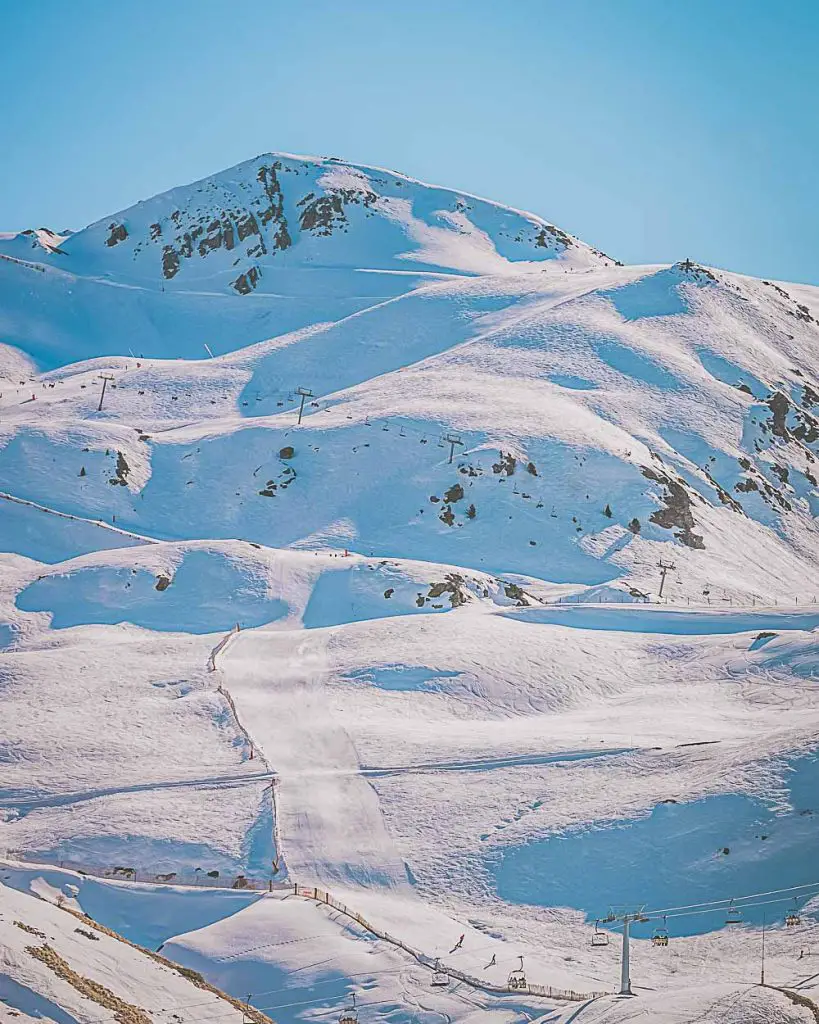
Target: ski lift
(599,938)
(349,1016)
(517,979)
(733,915)
(792,918)
(553,514)
(440,979)
(660,936)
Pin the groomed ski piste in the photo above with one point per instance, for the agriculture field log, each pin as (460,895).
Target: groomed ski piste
(458,723)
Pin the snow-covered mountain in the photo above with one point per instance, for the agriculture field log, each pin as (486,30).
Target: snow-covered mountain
(434,456)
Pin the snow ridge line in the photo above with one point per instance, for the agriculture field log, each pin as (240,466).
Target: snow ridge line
(79,519)
(321,896)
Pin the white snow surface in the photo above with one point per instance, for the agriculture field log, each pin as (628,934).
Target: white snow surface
(446,664)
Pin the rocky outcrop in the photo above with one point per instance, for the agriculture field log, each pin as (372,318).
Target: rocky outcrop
(118,234)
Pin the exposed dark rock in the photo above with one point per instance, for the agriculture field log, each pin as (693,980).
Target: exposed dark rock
(322,215)
(677,512)
(548,235)
(121,472)
(162,582)
(245,283)
(779,406)
(516,594)
(455,493)
(170,262)
(118,234)
(506,464)
(453,585)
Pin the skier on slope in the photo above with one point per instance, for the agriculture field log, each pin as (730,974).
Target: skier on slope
(458,944)
(491,963)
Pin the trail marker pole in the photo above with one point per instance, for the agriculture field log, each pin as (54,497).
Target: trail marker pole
(105,378)
(303,393)
(452,440)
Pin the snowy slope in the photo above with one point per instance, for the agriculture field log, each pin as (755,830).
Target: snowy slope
(457,699)
(57,965)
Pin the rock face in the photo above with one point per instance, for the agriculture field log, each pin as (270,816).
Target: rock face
(278,210)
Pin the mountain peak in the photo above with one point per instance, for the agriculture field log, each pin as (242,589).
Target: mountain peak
(282,211)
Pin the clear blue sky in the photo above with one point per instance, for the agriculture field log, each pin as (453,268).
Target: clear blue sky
(654,129)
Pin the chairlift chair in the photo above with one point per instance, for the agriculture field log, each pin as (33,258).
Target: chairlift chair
(792,917)
(517,979)
(349,1016)
(599,938)
(733,915)
(660,935)
(440,979)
